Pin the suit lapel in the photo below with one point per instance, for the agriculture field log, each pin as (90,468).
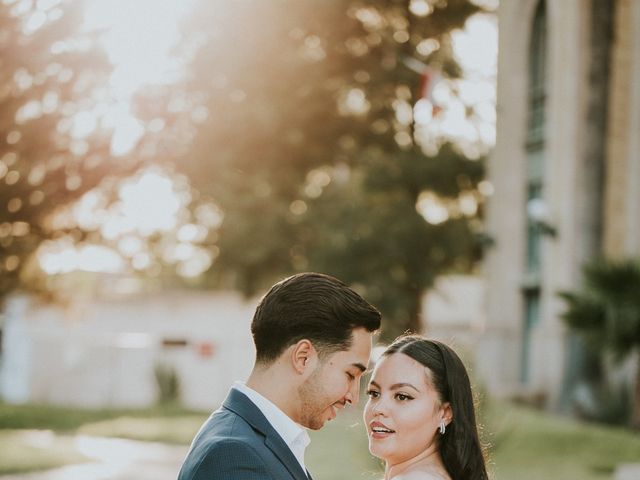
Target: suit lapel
(286,456)
(240,404)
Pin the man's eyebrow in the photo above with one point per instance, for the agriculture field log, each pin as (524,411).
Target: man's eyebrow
(360,367)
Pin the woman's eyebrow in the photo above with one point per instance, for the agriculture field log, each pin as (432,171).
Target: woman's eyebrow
(395,386)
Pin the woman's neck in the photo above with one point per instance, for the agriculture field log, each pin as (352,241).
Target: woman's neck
(429,457)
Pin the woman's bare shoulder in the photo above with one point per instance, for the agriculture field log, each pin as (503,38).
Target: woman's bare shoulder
(423,474)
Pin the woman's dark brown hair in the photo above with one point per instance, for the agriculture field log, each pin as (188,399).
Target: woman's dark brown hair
(460,446)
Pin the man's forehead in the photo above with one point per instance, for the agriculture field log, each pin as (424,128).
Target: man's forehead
(359,352)
(356,360)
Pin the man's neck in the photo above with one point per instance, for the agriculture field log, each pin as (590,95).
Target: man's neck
(269,383)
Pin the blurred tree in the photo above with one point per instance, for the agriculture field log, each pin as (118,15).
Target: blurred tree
(306,142)
(606,311)
(49,71)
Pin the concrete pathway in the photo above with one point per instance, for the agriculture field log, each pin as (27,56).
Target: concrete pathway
(627,471)
(116,459)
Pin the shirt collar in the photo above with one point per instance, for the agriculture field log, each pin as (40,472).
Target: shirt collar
(294,435)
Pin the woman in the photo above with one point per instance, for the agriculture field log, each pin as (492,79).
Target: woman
(420,416)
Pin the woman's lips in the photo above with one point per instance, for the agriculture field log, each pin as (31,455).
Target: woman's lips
(379,430)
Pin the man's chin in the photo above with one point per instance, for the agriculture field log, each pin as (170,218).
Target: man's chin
(316,423)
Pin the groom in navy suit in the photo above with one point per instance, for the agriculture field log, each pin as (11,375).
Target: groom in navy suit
(313,338)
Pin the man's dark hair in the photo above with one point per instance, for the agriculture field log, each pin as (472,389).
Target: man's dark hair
(314,306)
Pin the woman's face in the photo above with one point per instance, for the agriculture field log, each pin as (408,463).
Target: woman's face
(403,412)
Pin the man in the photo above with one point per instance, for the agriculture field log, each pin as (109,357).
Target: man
(313,338)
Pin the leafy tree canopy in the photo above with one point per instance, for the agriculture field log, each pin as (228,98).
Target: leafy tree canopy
(307,141)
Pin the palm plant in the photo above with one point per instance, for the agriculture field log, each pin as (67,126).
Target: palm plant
(606,312)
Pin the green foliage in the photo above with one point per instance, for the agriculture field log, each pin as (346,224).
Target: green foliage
(615,404)
(607,309)
(45,79)
(289,121)
(606,312)
(300,147)
(168,384)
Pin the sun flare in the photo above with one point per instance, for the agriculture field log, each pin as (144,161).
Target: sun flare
(138,38)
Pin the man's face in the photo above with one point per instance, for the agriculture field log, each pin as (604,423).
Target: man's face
(335,382)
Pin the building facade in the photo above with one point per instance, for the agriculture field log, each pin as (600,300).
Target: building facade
(566,175)
(107,352)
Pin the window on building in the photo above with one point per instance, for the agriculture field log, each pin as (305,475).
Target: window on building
(1,336)
(535,148)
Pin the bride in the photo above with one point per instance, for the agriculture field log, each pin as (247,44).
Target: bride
(420,417)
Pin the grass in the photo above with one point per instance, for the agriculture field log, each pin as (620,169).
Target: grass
(178,430)
(528,445)
(340,450)
(39,437)
(26,450)
(525,444)
(63,419)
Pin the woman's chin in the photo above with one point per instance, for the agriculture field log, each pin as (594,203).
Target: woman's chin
(376,451)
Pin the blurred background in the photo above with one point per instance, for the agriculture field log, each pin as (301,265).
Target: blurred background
(469,166)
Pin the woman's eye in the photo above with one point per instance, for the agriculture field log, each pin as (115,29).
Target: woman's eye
(402,397)
(373,394)
(351,376)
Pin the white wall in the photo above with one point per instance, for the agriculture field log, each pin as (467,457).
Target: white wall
(103,354)
(453,312)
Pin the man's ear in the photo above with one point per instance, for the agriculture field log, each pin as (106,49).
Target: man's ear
(304,356)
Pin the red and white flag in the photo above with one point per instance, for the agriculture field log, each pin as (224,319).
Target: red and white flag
(429,78)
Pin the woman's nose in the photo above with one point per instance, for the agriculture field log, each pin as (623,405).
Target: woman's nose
(379,407)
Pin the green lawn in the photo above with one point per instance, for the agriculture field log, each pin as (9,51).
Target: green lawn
(27,450)
(531,445)
(525,444)
(339,451)
(63,419)
(38,437)
(173,429)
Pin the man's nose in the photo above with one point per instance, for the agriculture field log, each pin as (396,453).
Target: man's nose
(353,395)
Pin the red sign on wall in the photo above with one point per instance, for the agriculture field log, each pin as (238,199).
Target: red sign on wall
(205,349)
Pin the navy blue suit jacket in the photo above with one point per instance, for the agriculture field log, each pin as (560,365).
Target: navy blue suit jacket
(238,442)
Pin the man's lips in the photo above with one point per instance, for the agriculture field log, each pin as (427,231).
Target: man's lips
(380,430)
(333,408)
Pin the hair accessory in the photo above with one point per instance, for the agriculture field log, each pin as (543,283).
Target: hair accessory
(442,427)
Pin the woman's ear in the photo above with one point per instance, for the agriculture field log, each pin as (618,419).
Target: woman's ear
(447,413)
(304,357)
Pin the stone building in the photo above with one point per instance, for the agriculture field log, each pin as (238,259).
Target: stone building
(566,174)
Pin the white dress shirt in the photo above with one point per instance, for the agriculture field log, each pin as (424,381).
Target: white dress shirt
(293,434)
